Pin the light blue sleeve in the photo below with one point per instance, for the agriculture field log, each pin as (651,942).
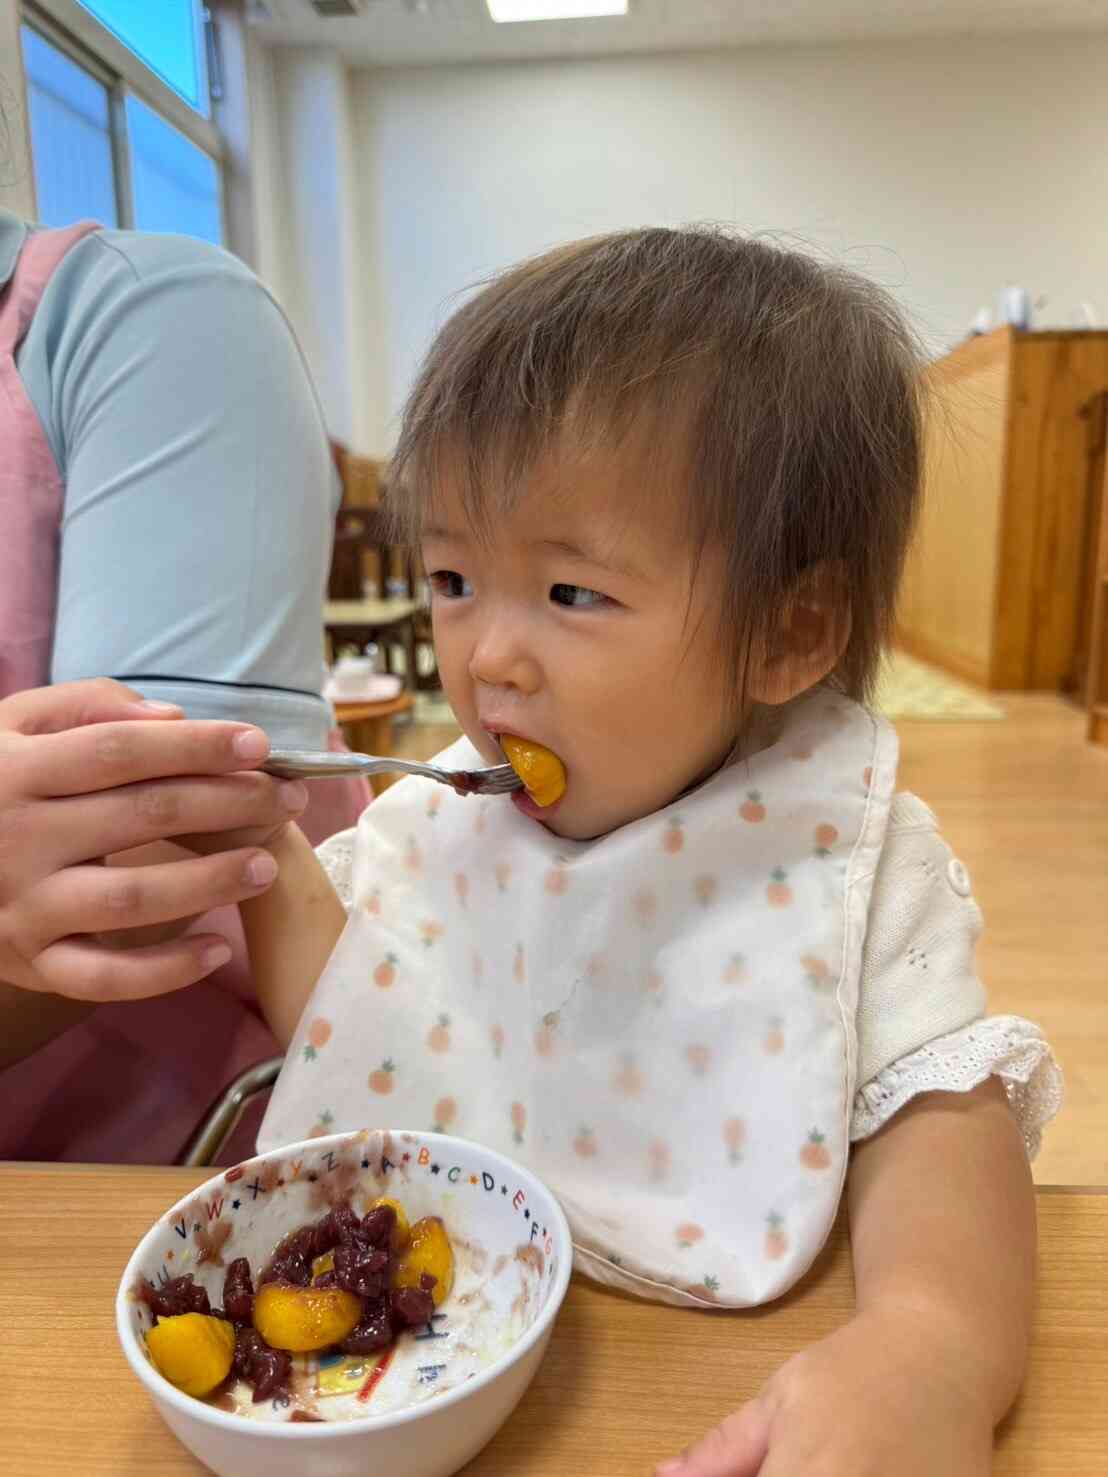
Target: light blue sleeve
(199,486)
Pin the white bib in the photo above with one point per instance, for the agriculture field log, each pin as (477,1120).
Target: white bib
(659,1022)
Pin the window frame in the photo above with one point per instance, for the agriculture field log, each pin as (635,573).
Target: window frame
(76,32)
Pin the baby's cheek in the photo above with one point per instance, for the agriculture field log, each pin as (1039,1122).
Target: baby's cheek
(458,687)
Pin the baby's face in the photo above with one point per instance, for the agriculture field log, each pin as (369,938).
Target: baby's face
(575,626)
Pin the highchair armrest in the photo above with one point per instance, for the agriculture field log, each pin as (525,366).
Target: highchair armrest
(217,1125)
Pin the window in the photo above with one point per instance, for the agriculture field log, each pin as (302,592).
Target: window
(116,115)
(166,35)
(69,114)
(174,185)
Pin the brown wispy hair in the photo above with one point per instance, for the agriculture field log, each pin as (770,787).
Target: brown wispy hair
(781,396)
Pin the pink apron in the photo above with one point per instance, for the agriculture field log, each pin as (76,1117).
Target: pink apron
(129,1084)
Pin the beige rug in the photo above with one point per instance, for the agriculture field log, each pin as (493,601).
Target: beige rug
(909,689)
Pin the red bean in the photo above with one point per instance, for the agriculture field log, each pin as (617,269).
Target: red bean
(377,1228)
(179,1295)
(411,1306)
(362,1270)
(340,1224)
(265,1368)
(374,1329)
(238,1292)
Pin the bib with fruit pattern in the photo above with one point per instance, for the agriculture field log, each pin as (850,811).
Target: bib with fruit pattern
(659,1022)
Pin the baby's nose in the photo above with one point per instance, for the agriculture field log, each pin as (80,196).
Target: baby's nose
(501,659)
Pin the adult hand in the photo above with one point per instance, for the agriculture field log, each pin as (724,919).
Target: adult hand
(88,769)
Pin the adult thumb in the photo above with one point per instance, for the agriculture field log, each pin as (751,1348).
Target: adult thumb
(75,704)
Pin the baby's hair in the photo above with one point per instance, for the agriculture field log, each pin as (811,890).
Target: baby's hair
(783,393)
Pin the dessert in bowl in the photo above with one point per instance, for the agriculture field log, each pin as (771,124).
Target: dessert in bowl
(417,1400)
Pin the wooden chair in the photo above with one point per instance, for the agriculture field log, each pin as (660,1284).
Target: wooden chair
(358,532)
(349,617)
(361,543)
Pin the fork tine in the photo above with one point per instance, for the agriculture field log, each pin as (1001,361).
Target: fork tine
(498,781)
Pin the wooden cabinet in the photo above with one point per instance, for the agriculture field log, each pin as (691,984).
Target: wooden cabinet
(1096,648)
(995,584)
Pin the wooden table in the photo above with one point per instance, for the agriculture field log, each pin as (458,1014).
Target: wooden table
(362,621)
(623,1384)
(368,729)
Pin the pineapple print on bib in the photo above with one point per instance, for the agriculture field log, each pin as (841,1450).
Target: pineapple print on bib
(659,1022)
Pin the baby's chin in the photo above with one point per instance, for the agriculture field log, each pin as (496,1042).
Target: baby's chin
(576,820)
(565,818)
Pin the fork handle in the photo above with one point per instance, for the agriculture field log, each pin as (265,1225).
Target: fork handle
(307,764)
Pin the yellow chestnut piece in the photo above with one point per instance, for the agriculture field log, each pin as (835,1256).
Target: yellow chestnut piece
(543,773)
(428,1250)
(300,1319)
(402,1230)
(193,1351)
(324,1263)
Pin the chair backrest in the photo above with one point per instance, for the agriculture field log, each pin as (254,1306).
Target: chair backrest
(358,532)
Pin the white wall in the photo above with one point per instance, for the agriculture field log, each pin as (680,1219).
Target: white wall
(17,190)
(943,168)
(267,166)
(309,242)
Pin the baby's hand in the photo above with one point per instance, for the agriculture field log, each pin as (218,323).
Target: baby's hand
(864,1402)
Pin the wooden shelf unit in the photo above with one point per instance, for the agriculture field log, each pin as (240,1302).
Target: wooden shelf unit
(997,580)
(1096,681)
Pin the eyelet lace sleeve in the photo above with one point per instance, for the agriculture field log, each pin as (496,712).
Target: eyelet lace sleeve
(336,857)
(1003,1046)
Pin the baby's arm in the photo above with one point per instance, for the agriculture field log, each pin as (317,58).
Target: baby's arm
(290,932)
(942,1222)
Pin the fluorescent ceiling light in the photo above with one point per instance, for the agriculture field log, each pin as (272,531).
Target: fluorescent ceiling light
(553,10)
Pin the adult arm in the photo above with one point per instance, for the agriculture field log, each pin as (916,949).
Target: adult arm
(195,539)
(199,486)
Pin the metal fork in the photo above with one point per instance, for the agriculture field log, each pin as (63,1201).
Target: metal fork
(305,764)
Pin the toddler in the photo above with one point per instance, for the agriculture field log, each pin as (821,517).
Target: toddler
(663,482)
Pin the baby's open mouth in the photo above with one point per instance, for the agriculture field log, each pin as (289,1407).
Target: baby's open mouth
(542,772)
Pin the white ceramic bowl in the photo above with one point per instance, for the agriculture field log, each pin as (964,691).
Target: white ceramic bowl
(447,1390)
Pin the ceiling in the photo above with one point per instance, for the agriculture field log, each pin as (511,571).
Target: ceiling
(392,33)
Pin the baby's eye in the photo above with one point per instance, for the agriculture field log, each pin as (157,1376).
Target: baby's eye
(450,584)
(576,595)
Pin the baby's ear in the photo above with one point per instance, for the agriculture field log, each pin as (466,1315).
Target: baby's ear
(805,639)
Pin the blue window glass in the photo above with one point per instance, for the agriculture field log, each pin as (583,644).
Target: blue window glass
(165,34)
(174,185)
(70,121)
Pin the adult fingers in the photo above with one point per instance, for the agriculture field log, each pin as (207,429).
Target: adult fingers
(82,900)
(735,1448)
(106,755)
(81,827)
(85,970)
(42,710)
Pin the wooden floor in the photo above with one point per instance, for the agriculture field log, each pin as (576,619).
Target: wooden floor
(1024,803)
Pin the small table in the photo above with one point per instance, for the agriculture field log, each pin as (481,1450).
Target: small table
(368,728)
(624,1383)
(362,621)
